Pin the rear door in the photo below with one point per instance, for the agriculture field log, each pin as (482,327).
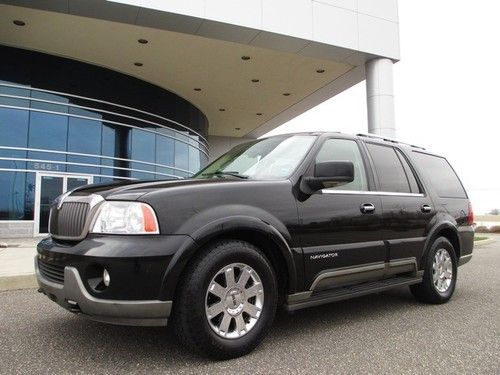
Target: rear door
(406,209)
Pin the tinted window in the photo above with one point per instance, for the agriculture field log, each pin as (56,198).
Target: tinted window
(12,196)
(409,173)
(439,172)
(143,149)
(47,131)
(345,150)
(14,127)
(390,172)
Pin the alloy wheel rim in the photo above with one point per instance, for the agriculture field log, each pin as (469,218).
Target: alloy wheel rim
(442,270)
(234,300)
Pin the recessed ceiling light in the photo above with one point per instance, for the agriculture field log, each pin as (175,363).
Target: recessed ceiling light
(143,41)
(245,58)
(222,109)
(320,70)
(237,128)
(138,64)
(197,89)
(255,80)
(259,114)
(286,94)
(19,23)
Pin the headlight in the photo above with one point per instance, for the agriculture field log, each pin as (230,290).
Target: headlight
(125,218)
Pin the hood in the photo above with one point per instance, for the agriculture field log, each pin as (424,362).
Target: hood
(132,190)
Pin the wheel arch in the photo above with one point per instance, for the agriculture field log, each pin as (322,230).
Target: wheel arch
(252,230)
(447,230)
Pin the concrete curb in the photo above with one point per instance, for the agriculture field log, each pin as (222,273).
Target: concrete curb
(26,281)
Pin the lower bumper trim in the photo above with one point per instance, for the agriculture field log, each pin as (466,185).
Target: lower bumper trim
(73,296)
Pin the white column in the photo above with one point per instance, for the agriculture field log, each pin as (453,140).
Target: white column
(380,97)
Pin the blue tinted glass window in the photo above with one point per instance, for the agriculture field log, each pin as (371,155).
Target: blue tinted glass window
(13,127)
(165,151)
(181,155)
(111,172)
(84,136)
(46,156)
(48,131)
(17,159)
(194,160)
(14,91)
(86,169)
(49,102)
(164,173)
(46,121)
(142,175)
(29,197)
(12,195)
(46,161)
(104,180)
(108,141)
(143,146)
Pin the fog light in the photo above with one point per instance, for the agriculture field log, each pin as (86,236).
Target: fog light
(105,277)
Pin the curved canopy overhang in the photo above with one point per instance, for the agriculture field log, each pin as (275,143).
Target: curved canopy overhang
(202,60)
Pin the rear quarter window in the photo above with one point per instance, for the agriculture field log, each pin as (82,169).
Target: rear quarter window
(440,174)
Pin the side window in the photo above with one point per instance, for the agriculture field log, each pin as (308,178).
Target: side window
(345,150)
(439,171)
(390,171)
(409,173)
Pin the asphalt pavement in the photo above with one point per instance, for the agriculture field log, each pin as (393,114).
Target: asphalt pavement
(383,333)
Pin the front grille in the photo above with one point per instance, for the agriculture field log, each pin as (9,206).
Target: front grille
(51,272)
(69,220)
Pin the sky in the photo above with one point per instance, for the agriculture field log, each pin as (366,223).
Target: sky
(447,92)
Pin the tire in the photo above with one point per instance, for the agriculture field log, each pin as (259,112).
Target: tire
(194,302)
(435,289)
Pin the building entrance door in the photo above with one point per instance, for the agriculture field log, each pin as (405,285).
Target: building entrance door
(48,187)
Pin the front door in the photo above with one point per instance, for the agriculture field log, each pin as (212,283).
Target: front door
(340,226)
(48,188)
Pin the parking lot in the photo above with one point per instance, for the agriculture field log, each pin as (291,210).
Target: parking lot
(387,332)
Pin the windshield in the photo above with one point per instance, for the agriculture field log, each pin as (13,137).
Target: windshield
(266,159)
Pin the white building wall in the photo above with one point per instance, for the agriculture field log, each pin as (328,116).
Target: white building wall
(369,26)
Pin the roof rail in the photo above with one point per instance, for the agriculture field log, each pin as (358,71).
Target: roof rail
(387,139)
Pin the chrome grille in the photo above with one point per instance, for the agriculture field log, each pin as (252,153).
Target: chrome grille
(69,221)
(51,272)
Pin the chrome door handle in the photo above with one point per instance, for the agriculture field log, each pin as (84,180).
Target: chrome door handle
(426,208)
(367,208)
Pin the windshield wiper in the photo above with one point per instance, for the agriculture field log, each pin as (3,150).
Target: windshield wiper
(227,173)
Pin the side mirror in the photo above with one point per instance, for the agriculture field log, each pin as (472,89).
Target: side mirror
(328,174)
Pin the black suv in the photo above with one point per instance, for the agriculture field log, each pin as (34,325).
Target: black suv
(293,220)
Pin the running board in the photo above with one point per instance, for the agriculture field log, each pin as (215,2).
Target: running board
(309,299)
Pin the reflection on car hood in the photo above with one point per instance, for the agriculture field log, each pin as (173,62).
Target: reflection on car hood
(132,190)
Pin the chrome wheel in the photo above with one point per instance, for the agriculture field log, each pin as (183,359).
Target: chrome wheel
(234,300)
(442,270)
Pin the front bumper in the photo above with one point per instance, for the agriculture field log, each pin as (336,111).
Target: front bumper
(73,296)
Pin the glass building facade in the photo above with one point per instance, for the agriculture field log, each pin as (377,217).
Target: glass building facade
(65,123)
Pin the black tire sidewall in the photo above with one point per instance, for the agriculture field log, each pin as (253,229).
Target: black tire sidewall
(441,243)
(226,253)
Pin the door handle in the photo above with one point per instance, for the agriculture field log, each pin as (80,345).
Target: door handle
(367,208)
(426,208)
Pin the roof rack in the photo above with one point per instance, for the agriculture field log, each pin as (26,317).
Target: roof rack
(375,136)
